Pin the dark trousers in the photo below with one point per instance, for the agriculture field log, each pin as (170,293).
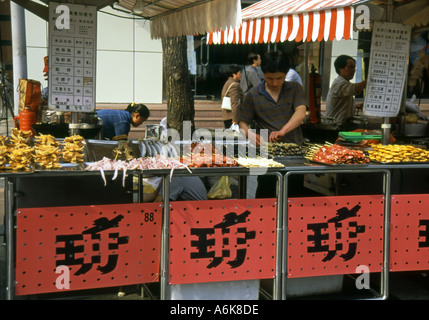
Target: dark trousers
(267,186)
(227,123)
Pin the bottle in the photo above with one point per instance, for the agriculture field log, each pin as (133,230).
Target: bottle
(26,119)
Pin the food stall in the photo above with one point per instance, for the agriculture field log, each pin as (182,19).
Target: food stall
(272,21)
(78,226)
(73,203)
(93,230)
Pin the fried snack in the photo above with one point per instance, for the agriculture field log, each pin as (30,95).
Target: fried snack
(47,156)
(47,152)
(395,153)
(19,136)
(73,149)
(3,140)
(46,140)
(4,151)
(20,157)
(74,139)
(19,154)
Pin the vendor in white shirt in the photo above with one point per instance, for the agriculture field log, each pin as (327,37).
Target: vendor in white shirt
(293,76)
(340,103)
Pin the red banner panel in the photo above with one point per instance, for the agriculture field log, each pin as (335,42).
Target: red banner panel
(409,233)
(84,247)
(222,240)
(334,235)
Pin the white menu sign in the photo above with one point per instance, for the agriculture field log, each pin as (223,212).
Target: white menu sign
(390,48)
(72,57)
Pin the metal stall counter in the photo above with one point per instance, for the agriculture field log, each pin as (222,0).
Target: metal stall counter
(366,218)
(66,212)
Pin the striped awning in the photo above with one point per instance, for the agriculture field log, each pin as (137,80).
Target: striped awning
(170,18)
(293,20)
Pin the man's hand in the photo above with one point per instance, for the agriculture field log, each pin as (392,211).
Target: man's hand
(275,136)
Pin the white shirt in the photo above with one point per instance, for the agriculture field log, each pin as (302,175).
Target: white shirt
(340,102)
(293,76)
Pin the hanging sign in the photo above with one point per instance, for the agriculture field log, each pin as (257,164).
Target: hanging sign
(390,49)
(84,247)
(222,240)
(72,57)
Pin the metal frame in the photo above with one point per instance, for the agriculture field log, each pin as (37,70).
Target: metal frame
(165,292)
(165,173)
(280,281)
(10,240)
(384,285)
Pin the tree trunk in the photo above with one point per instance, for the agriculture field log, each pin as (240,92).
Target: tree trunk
(180,102)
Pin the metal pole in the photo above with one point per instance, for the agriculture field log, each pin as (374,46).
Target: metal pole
(164,292)
(19,48)
(386,124)
(306,71)
(386,244)
(277,293)
(10,266)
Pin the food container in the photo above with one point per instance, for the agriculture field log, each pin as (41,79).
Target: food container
(415,130)
(58,130)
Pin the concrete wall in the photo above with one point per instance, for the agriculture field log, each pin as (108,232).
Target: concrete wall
(129,62)
(348,47)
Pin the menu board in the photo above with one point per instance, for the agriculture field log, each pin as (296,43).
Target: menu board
(390,48)
(72,57)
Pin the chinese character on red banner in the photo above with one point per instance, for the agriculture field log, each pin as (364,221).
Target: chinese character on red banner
(77,243)
(224,235)
(342,236)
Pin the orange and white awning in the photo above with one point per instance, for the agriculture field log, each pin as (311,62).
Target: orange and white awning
(270,21)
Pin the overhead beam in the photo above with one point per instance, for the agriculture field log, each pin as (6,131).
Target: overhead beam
(99,4)
(42,11)
(39,10)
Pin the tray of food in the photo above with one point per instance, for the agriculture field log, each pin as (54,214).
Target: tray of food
(335,155)
(51,154)
(21,152)
(285,151)
(15,152)
(398,154)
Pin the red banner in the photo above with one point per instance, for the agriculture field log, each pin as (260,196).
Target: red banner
(409,236)
(334,235)
(222,240)
(84,247)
